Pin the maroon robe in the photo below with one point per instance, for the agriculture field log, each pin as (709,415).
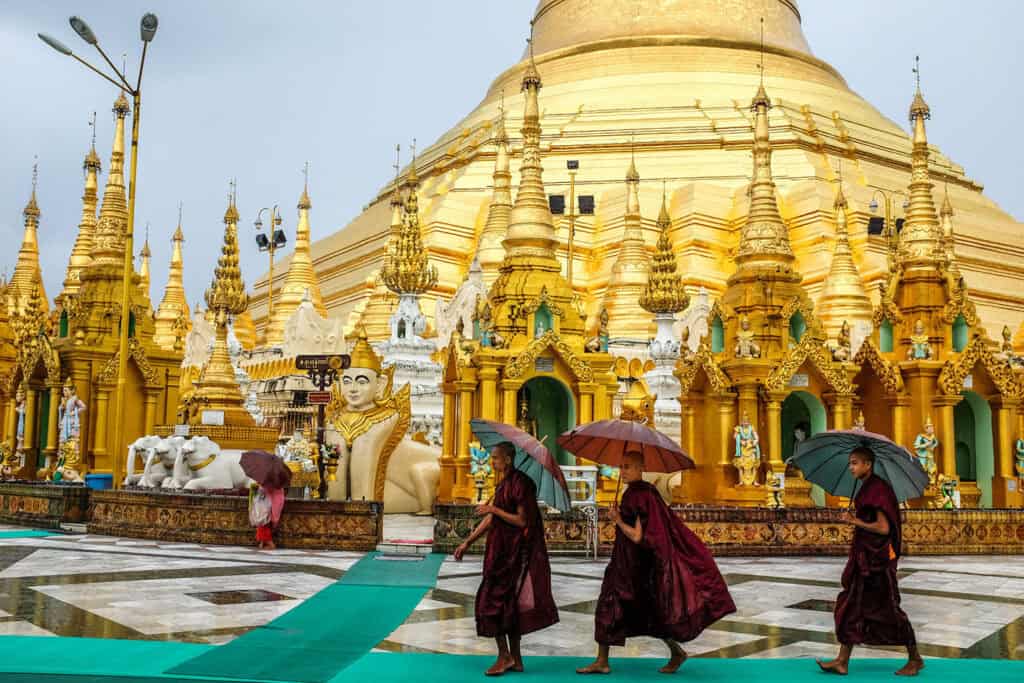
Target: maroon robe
(514,597)
(667,586)
(868,608)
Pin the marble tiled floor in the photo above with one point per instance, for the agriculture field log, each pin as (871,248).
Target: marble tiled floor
(123,588)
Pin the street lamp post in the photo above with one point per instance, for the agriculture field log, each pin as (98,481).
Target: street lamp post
(270,242)
(147,30)
(573,167)
(888,196)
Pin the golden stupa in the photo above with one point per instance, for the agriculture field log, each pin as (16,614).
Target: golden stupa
(669,82)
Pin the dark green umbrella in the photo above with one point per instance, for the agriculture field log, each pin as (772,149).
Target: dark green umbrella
(824,460)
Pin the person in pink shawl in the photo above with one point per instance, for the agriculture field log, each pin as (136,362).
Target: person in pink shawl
(265,532)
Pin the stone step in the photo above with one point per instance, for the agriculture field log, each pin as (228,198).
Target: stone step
(410,548)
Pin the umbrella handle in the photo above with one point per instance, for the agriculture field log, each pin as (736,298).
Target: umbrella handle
(543,439)
(618,486)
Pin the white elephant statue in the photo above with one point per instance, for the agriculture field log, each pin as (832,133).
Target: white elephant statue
(160,463)
(142,446)
(201,465)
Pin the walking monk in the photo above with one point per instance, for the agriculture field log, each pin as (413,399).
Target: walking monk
(514,597)
(661,580)
(868,608)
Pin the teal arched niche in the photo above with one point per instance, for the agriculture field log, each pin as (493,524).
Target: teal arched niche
(885,343)
(802,409)
(553,409)
(975,451)
(717,335)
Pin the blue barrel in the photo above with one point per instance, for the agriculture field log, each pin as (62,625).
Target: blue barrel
(99,481)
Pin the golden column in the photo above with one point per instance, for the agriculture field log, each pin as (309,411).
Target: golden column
(51,419)
(31,399)
(99,440)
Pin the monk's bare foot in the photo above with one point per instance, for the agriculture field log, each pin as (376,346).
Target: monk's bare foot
(836,666)
(517,665)
(911,668)
(499,667)
(597,667)
(674,663)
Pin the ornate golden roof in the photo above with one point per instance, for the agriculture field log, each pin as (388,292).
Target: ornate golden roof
(664,292)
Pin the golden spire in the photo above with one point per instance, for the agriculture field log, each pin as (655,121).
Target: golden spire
(27,272)
(80,257)
(531,232)
(664,292)
(108,247)
(174,303)
(843,298)
(629,272)
(921,237)
(396,201)
(145,255)
(301,277)
(216,388)
(948,241)
(406,269)
(490,251)
(764,237)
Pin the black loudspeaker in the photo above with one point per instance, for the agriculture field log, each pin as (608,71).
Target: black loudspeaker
(556,202)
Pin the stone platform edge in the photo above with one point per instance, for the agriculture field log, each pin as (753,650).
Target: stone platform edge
(45,506)
(224,520)
(770,533)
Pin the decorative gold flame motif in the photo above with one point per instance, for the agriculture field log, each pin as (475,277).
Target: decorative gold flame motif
(406,269)
(664,292)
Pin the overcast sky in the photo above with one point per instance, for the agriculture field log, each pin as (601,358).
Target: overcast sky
(254,89)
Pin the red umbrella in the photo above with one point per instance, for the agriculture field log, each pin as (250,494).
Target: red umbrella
(266,469)
(608,441)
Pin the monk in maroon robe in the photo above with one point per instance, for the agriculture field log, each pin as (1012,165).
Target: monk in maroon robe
(661,580)
(515,595)
(868,608)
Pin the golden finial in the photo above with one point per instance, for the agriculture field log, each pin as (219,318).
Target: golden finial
(918,108)
(231,214)
(32,209)
(406,268)
(145,253)
(362,354)
(412,181)
(664,292)
(632,175)
(227,291)
(304,202)
(531,76)
(92,160)
(760,66)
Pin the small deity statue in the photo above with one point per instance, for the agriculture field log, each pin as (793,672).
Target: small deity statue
(539,328)
(949,488)
(858,424)
(1006,353)
(19,399)
(68,419)
(1018,452)
(367,423)
(599,342)
(479,468)
(924,446)
(919,349)
(69,468)
(10,461)
(747,458)
(776,490)
(484,323)
(843,350)
(685,352)
(302,457)
(800,433)
(525,421)
(746,347)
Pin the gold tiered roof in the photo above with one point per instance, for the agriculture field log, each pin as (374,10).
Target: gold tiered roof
(301,278)
(108,247)
(490,251)
(27,272)
(407,269)
(80,252)
(664,292)
(226,294)
(174,305)
(629,272)
(844,298)
(920,239)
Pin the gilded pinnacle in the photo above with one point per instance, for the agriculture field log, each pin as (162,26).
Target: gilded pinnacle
(406,268)
(227,291)
(664,292)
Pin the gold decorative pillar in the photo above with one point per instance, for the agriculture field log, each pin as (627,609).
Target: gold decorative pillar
(448,445)
(99,442)
(900,409)
(587,391)
(945,430)
(11,424)
(774,410)
(150,412)
(689,425)
(489,393)
(726,423)
(30,420)
(463,489)
(50,450)
(602,409)
(508,402)
(1006,433)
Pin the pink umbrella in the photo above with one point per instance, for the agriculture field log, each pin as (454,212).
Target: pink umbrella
(608,441)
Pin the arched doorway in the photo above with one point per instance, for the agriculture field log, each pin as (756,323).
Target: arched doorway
(802,410)
(552,410)
(975,453)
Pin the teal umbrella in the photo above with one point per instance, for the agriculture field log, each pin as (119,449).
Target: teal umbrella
(532,459)
(824,460)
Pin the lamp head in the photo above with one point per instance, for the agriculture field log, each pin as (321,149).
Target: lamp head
(83,30)
(258,224)
(147,26)
(873,205)
(262,242)
(55,44)
(572,165)
(279,239)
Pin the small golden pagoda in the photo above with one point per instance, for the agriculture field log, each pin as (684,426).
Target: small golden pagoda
(765,360)
(929,359)
(27,272)
(80,252)
(216,407)
(490,251)
(144,257)
(87,336)
(300,278)
(173,319)
(629,272)
(530,349)
(843,300)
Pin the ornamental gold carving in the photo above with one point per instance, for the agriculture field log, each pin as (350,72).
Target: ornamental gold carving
(887,374)
(522,364)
